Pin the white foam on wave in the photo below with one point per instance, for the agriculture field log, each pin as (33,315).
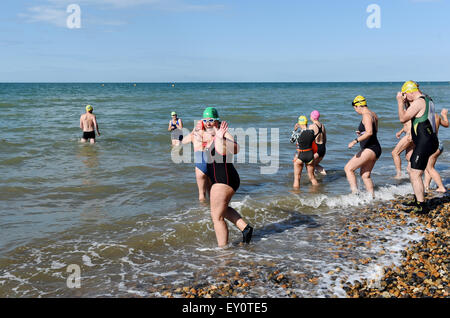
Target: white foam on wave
(238,205)
(57,265)
(399,238)
(87,261)
(353,200)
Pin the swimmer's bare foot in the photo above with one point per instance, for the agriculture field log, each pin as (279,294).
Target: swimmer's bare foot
(441,190)
(398,176)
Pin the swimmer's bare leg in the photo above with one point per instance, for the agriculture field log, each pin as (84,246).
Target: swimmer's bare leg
(312,178)
(352,165)
(202,184)
(431,173)
(298,167)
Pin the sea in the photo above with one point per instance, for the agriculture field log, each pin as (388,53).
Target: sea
(123,214)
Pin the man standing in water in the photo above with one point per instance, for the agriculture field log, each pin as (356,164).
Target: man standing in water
(88,124)
(423,133)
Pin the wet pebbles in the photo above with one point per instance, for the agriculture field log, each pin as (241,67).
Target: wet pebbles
(423,271)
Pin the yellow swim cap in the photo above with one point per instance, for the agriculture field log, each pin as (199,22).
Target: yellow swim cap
(302,120)
(359,101)
(410,87)
(89,108)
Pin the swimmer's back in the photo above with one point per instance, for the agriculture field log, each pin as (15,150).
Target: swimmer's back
(88,122)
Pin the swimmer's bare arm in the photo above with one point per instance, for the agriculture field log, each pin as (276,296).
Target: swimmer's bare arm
(225,141)
(170,126)
(444,119)
(81,122)
(96,125)
(232,144)
(195,135)
(400,132)
(187,139)
(414,109)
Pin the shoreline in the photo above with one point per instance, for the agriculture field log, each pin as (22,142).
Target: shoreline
(423,271)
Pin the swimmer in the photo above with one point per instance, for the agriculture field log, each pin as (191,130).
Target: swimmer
(320,135)
(200,138)
(88,124)
(430,171)
(175,126)
(370,151)
(423,133)
(305,154)
(223,176)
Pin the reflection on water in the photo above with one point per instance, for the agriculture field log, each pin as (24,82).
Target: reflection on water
(94,212)
(88,154)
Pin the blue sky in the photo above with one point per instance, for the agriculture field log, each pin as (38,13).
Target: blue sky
(224,41)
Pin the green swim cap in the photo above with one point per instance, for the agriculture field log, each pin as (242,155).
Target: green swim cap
(211,112)
(173,113)
(89,108)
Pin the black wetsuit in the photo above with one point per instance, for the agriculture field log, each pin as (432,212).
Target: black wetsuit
(423,133)
(371,143)
(321,149)
(221,171)
(305,140)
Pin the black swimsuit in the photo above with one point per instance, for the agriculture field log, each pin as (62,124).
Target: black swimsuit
(321,149)
(371,143)
(221,171)
(304,146)
(89,135)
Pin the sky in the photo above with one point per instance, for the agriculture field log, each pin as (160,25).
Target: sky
(225,41)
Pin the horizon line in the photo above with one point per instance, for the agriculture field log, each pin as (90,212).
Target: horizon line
(220,82)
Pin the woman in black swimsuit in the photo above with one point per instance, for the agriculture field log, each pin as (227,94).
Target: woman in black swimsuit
(305,154)
(224,178)
(320,138)
(370,147)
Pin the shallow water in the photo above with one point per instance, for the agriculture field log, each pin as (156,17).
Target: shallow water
(125,212)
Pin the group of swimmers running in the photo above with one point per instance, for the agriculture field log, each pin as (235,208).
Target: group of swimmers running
(214,147)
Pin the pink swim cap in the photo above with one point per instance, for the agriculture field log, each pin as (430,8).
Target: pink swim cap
(315,114)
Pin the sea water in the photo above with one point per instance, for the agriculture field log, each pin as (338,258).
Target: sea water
(128,215)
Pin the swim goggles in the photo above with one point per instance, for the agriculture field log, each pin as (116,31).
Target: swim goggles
(211,120)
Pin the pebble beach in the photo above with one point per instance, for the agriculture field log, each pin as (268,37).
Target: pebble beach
(422,272)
